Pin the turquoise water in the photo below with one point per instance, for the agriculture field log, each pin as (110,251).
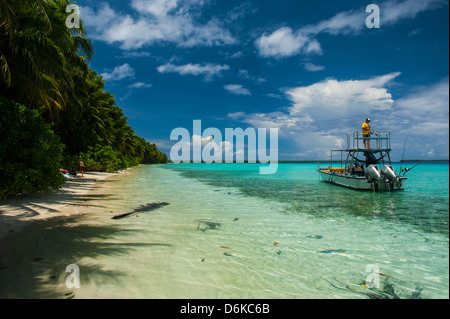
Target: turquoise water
(424,205)
(230,232)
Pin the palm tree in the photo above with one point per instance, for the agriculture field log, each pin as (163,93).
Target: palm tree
(39,54)
(44,65)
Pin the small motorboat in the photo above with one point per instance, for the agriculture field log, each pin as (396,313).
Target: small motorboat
(365,168)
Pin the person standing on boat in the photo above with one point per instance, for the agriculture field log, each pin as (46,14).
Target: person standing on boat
(366,133)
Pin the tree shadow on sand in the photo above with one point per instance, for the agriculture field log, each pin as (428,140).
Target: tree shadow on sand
(22,209)
(33,262)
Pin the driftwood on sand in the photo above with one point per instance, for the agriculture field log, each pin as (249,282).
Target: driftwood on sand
(143,208)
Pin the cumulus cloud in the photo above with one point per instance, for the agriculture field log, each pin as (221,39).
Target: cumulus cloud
(119,73)
(285,42)
(322,112)
(423,116)
(172,21)
(342,99)
(237,89)
(425,112)
(208,70)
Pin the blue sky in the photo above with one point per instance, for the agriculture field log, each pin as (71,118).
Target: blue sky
(312,69)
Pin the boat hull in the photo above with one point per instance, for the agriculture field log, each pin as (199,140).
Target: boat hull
(358,182)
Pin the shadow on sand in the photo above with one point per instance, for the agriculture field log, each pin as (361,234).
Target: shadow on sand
(33,261)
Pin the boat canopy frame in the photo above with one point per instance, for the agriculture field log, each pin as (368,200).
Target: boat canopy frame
(381,141)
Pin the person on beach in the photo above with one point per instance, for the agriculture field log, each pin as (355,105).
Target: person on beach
(65,173)
(81,167)
(366,133)
(73,172)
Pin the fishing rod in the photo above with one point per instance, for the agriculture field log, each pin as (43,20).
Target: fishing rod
(401,162)
(408,169)
(403,154)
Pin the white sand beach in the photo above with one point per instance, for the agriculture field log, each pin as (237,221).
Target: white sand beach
(27,260)
(16,213)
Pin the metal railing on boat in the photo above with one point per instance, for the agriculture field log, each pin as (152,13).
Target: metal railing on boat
(382,141)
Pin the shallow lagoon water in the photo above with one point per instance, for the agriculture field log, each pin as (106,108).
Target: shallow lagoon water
(286,235)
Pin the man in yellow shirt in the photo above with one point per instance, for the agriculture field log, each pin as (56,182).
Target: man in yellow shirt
(366,133)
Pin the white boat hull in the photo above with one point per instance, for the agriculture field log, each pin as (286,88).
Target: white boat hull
(358,182)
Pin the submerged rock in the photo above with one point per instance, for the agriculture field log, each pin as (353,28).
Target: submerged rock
(204,225)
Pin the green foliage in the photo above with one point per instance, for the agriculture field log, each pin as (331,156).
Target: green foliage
(153,156)
(44,66)
(30,153)
(104,159)
(40,58)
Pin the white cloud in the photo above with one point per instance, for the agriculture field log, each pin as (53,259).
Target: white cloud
(342,99)
(119,73)
(237,89)
(202,141)
(394,11)
(342,23)
(208,70)
(135,54)
(313,67)
(245,75)
(321,113)
(286,42)
(139,85)
(217,147)
(353,21)
(425,112)
(276,119)
(100,20)
(172,21)
(423,116)
(158,8)
(237,55)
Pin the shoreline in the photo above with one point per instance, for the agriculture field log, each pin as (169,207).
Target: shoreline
(19,212)
(168,254)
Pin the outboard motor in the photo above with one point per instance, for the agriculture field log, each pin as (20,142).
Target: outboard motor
(388,172)
(373,175)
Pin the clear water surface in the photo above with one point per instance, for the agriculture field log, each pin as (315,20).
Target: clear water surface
(229,232)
